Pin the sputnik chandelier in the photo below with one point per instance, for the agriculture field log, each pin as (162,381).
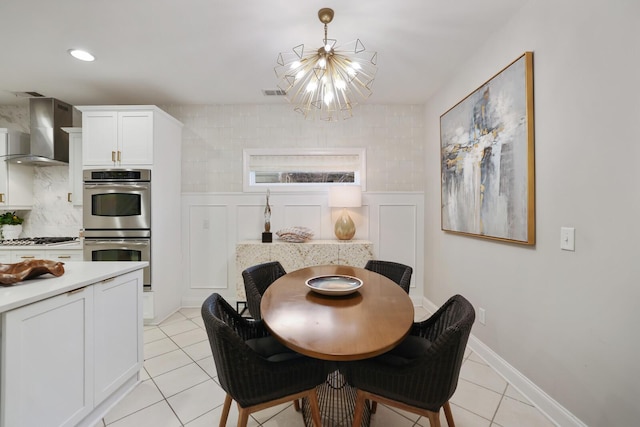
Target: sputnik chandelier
(325,83)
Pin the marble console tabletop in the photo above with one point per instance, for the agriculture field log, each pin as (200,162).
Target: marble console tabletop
(76,275)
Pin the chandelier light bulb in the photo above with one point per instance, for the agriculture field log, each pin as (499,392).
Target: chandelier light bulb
(328,98)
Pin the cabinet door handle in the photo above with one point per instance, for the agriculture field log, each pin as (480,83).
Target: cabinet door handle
(113,156)
(27,256)
(75,291)
(64,256)
(1,197)
(69,197)
(119,153)
(110,279)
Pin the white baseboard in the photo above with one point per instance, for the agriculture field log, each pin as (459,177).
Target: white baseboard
(557,413)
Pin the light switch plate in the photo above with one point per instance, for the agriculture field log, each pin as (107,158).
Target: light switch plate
(568,238)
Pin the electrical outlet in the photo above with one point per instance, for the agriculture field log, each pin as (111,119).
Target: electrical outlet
(481,316)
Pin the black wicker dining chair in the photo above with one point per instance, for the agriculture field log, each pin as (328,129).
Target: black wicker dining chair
(399,273)
(256,281)
(254,368)
(421,374)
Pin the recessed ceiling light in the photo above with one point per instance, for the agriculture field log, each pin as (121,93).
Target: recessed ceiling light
(82,55)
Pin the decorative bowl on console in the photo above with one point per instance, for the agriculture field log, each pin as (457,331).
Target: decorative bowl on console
(295,234)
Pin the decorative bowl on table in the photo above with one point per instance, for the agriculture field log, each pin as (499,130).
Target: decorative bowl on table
(295,234)
(334,284)
(14,273)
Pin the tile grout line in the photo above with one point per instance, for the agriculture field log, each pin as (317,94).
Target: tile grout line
(152,378)
(504,392)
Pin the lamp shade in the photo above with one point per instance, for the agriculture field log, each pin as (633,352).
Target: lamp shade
(345,196)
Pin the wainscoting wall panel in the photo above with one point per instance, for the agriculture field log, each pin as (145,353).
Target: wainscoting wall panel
(208,264)
(393,222)
(398,242)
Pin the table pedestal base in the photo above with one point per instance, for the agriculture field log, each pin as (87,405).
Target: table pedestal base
(337,401)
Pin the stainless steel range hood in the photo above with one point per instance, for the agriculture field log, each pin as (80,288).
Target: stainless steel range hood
(49,144)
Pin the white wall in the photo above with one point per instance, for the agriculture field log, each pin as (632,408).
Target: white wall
(215,135)
(566,320)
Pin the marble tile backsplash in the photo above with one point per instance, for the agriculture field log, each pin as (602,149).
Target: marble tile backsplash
(52,214)
(16,118)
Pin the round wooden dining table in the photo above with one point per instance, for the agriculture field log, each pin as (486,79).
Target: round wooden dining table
(363,324)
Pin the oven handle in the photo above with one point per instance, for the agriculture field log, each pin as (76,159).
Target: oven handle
(127,242)
(117,186)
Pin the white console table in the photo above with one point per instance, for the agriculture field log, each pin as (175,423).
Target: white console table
(294,256)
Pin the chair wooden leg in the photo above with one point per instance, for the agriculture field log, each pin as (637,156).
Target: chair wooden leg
(359,409)
(225,410)
(243,416)
(296,405)
(315,409)
(374,406)
(434,419)
(448,414)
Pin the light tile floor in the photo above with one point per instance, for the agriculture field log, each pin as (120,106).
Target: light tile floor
(179,388)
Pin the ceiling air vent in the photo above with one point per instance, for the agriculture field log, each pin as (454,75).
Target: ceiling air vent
(273,92)
(28,95)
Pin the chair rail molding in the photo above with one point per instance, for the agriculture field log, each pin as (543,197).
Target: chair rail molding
(213,223)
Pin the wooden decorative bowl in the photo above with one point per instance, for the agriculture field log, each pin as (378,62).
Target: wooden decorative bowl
(13,273)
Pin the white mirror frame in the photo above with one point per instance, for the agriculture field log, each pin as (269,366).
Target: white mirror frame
(248,176)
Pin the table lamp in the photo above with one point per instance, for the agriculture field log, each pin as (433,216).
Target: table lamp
(345,196)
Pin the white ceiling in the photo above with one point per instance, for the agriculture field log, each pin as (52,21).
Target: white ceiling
(223,52)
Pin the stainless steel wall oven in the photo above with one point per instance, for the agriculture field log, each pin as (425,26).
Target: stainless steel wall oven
(117,216)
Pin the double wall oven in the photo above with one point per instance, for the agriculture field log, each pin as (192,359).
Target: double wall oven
(117,216)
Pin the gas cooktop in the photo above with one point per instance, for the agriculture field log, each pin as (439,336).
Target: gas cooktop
(28,241)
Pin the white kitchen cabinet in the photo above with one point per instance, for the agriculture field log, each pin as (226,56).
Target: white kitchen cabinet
(49,349)
(116,138)
(147,138)
(62,255)
(24,255)
(118,337)
(68,359)
(16,181)
(74,195)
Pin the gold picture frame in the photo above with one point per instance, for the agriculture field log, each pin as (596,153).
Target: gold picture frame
(487,159)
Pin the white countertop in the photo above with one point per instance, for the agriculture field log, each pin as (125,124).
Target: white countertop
(76,275)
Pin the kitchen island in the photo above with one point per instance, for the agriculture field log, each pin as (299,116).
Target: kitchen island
(71,346)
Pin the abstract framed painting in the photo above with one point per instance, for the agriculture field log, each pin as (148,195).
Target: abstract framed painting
(487,159)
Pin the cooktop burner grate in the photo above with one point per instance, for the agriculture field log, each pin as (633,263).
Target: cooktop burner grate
(28,241)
